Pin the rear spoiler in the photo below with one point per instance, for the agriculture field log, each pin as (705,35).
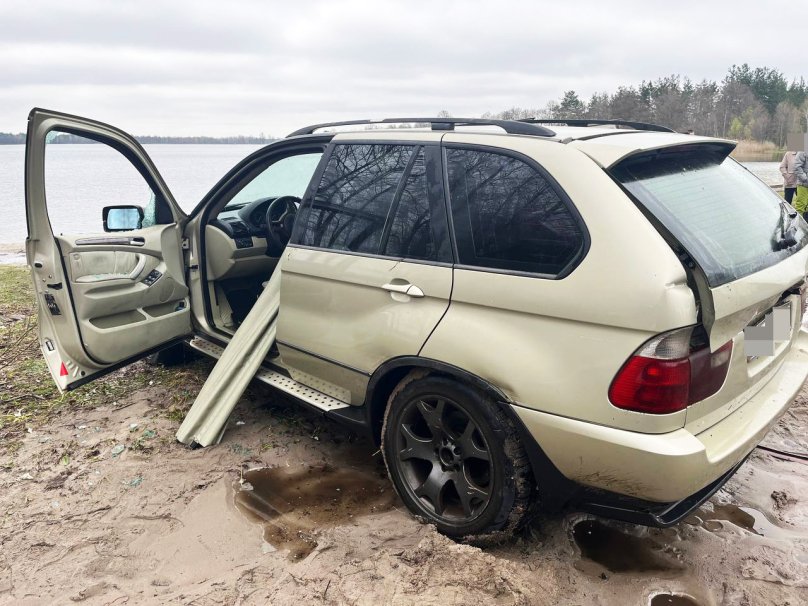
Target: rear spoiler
(610,150)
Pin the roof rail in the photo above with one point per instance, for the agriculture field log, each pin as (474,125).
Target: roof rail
(587,122)
(512,127)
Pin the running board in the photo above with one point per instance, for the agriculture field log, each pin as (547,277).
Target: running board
(283,383)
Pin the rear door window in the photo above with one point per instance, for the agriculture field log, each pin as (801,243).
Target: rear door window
(730,222)
(350,208)
(418,228)
(378,199)
(508,215)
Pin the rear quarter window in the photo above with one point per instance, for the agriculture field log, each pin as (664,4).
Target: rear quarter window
(509,215)
(730,222)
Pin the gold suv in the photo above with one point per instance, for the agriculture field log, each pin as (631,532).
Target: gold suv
(601,315)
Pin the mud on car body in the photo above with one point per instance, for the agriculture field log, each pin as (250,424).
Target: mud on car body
(516,311)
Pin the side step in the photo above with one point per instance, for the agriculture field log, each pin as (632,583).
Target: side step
(283,383)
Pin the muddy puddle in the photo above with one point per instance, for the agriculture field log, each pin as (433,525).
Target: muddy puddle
(672,599)
(723,517)
(620,552)
(294,504)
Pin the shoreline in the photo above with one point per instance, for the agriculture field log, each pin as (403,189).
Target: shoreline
(12,254)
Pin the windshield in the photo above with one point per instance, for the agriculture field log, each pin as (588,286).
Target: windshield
(730,222)
(287,177)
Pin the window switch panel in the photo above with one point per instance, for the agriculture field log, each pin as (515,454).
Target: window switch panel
(153,276)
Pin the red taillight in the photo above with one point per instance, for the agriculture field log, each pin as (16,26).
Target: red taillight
(649,385)
(63,370)
(667,374)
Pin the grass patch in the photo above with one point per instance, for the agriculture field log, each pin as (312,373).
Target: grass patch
(16,291)
(757,151)
(28,395)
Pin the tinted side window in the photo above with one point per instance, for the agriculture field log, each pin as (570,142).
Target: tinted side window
(508,216)
(410,231)
(353,199)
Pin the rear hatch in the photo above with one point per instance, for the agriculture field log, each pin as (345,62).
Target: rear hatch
(745,249)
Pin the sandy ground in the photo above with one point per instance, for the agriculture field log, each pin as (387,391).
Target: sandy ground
(106,508)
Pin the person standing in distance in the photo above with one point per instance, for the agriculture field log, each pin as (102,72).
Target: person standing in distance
(801,170)
(789,176)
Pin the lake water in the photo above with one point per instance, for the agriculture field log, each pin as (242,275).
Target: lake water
(81,179)
(768,172)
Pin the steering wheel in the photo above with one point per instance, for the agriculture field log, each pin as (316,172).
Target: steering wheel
(281,214)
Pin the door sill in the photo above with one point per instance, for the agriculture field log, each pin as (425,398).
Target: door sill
(312,397)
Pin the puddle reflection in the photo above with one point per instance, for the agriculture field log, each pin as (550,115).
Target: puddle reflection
(295,503)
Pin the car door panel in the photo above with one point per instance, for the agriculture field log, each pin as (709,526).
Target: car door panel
(346,310)
(342,321)
(118,313)
(100,302)
(99,266)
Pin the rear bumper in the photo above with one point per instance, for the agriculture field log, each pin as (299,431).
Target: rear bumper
(648,513)
(663,474)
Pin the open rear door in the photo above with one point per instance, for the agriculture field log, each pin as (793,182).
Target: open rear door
(111,287)
(747,252)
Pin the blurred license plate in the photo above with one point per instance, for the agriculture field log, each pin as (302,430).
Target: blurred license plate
(761,339)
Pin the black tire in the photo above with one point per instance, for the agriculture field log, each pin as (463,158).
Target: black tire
(455,458)
(171,356)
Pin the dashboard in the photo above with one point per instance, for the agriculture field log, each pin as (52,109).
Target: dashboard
(244,222)
(235,242)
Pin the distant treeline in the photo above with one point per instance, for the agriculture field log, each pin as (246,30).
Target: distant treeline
(759,104)
(11,139)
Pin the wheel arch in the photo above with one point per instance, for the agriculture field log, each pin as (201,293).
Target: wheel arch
(387,376)
(556,490)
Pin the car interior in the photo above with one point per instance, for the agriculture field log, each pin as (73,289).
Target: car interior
(246,231)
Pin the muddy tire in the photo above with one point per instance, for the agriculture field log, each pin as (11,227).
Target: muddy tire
(455,458)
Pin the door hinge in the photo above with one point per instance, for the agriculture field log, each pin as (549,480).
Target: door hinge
(185,244)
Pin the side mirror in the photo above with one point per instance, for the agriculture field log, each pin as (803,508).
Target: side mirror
(122,218)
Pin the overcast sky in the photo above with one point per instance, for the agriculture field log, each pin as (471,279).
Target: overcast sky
(244,67)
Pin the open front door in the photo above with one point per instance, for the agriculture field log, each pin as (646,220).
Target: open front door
(104,246)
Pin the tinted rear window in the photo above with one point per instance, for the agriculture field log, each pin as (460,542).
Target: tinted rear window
(729,221)
(508,215)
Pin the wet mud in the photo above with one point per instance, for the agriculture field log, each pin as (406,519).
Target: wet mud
(668,599)
(294,504)
(620,552)
(725,516)
(87,523)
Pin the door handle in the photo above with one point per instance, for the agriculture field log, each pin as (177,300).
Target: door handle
(405,289)
(402,288)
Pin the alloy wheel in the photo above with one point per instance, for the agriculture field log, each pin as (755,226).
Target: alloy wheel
(444,459)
